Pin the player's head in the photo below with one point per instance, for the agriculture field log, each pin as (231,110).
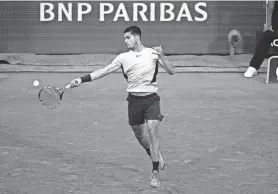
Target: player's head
(132,36)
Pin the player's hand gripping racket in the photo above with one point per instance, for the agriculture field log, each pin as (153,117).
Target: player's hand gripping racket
(51,97)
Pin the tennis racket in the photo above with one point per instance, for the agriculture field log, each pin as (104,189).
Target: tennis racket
(51,97)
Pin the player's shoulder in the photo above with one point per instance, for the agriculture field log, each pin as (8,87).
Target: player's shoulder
(149,49)
(151,52)
(124,54)
(120,56)
(123,57)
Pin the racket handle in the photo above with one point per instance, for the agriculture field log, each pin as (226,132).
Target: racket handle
(70,85)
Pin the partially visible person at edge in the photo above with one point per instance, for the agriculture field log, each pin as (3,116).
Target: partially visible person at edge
(269,35)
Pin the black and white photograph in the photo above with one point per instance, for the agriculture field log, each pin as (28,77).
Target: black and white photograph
(139,97)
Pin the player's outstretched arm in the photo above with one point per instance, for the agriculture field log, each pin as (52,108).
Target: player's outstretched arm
(112,67)
(164,62)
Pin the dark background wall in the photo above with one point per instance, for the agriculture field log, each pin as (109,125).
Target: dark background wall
(21,31)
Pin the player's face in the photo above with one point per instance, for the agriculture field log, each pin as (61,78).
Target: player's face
(130,40)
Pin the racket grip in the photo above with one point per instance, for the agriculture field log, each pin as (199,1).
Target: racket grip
(71,85)
(68,86)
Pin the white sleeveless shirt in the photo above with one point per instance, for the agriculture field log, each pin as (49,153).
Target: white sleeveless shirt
(140,70)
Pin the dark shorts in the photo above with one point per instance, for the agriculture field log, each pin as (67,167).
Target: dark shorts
(141,108)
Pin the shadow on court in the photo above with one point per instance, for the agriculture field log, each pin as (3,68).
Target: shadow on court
(219,135)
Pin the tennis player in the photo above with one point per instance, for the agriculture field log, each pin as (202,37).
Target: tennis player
(140,67)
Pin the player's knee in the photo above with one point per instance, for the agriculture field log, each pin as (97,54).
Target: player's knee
(138,132)
(152,126)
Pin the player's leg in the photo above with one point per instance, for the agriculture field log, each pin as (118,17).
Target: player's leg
(154,117)
(153,126)
(142,136)
(136,121)
(261,53)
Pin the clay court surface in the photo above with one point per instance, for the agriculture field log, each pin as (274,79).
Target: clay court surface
(219,135)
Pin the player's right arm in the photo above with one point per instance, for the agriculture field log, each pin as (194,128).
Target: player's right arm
(112,67)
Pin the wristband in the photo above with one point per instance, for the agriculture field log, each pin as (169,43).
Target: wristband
(86,78)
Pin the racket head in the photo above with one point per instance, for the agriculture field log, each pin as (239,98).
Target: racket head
(50,97)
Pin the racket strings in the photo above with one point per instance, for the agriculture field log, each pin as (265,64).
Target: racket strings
(50,97)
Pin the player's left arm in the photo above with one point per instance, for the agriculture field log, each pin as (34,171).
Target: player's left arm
(164,62)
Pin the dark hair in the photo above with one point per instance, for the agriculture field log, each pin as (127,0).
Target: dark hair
(133,30)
